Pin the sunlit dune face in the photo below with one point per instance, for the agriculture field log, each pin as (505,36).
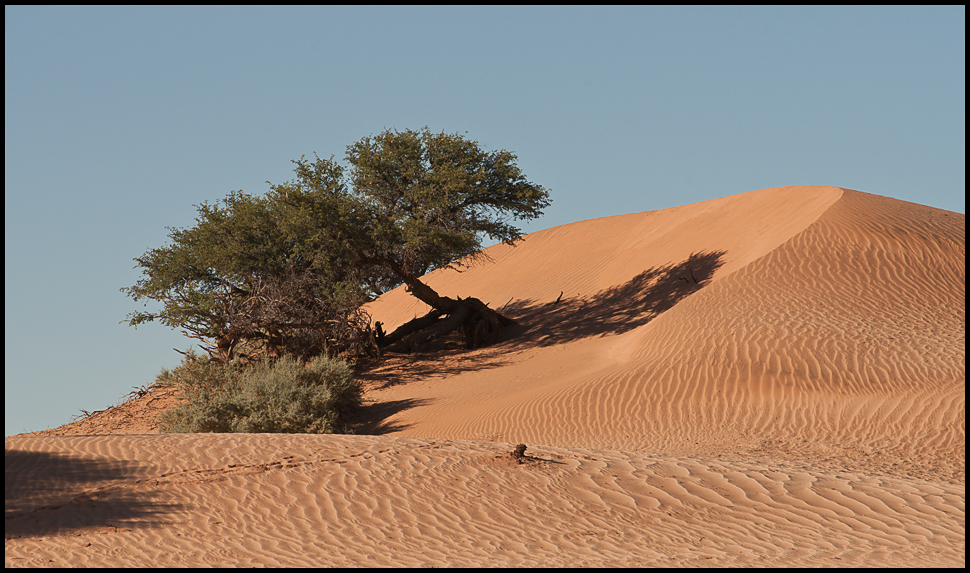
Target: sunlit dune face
(772,378)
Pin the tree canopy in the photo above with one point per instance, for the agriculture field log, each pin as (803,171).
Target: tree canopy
(288,272)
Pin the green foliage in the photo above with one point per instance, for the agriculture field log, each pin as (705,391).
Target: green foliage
(287,273)
(239,278)
(286,395)
(432,197)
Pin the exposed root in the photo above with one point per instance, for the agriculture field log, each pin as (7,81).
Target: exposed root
(480,325)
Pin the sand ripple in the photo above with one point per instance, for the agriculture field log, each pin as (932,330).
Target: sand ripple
(285,500)
(775,378)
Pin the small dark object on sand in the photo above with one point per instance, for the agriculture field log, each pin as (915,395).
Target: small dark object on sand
(519,451)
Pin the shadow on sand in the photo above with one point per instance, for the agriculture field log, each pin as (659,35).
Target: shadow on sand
(49,493)
(615,310)
(372,419)
(612,311)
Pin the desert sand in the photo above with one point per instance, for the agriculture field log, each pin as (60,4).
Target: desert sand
(775,378)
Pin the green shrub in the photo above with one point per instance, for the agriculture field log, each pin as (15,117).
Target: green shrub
(285,395)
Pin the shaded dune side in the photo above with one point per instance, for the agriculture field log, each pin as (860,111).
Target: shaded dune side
(845,340)
(298,500)
(848,340)
(586,258)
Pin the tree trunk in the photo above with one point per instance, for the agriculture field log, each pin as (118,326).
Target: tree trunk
(409,327)
(481,325)
(438,329)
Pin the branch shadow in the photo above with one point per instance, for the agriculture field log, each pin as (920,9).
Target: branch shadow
(615,310)
(50,493)
(448,357)
(393,369)
(372,419)
(612,311)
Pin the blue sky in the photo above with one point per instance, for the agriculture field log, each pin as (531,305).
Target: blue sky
(119,120)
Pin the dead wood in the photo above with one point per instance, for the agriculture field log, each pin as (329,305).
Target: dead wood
(480,325)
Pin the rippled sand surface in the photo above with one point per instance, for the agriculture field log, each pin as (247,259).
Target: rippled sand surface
(774,378)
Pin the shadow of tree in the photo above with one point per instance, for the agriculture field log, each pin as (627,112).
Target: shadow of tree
(615,310)
(372,419)
(612,311)
(448,358)
(50,493)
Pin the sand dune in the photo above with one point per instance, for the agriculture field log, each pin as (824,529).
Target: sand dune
(841,331)
(284,500)
(772,378)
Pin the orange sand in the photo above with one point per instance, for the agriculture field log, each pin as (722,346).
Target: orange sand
(772,378)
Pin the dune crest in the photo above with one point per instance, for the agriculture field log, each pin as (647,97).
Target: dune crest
(584,258)
(773,378)
(831,335)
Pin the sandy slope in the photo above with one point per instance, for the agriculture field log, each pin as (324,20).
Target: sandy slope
(839,334)
(776,378)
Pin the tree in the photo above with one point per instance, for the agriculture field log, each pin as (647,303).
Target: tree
(291,270)
(419,201)
(239,284)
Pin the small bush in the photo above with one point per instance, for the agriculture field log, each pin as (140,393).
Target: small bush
(285,395)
